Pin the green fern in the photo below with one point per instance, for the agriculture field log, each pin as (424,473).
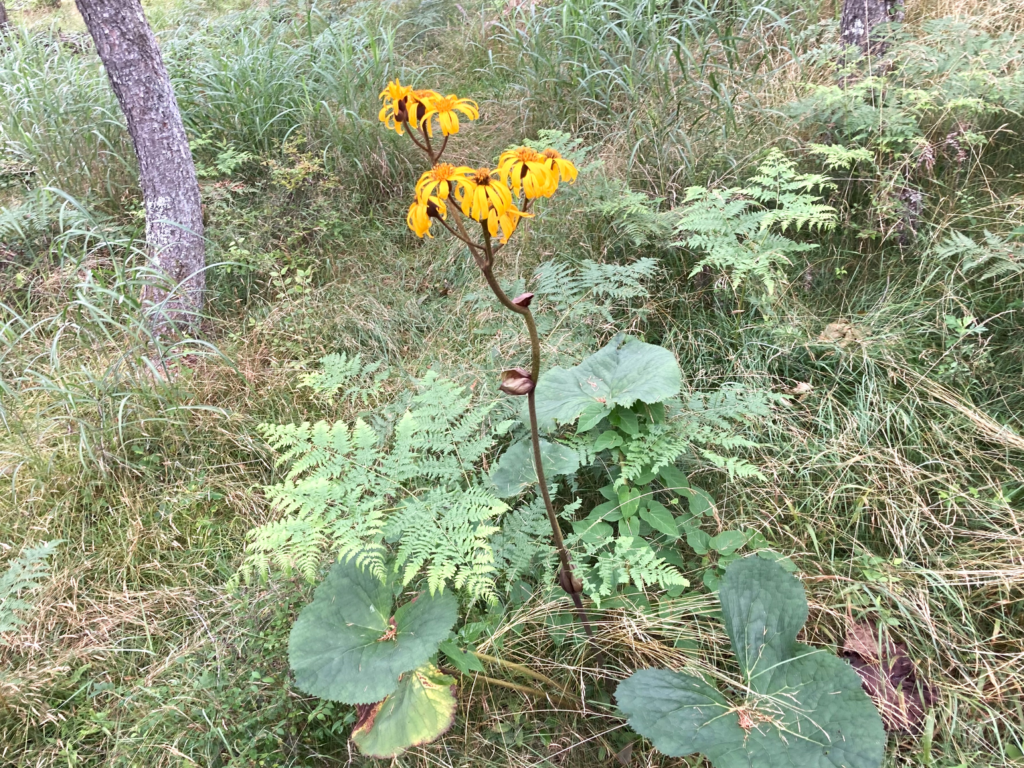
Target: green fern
(449,534)
(630,560)
(592,289)
(24,574)
(739,232)
(992,259)
(351,491)
(358,381)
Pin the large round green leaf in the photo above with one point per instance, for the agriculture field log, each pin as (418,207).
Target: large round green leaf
(515,471)
(624,371)
(346,645)
(799,706)
(420,710)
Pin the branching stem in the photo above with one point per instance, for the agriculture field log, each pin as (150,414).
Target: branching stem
(483,255)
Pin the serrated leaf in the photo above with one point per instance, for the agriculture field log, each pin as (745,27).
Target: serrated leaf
(421,709)
(804,707)
(515,471)
(623,372)
(660,519)
(764,608)
(344,647)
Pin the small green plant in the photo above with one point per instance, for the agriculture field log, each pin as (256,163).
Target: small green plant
(24,574)
(740,233)
(795,705)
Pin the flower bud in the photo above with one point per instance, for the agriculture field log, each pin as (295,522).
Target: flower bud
(523,299)
(516,381)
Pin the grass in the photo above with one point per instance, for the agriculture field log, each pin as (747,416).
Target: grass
(895,484)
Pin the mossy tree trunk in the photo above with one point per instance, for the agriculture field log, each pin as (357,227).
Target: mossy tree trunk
(859,19)
(167,175)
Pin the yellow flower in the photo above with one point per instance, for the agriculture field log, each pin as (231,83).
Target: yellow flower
(402,104)
(419,106)
(482,194)
(527,168)
(508,221)
(422,214)
(394,111)
(447,108)
(441,180)
(559,166)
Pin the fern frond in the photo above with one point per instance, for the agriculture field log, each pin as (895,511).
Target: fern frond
(24,574)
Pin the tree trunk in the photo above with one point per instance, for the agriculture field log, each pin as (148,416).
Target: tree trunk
(860,17)
(170,189)
(3,16)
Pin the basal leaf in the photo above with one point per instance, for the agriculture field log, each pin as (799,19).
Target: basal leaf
(421,709)
(347,646)
(624,371)
(679,713)
(799,707)
(515,471)
(764,608)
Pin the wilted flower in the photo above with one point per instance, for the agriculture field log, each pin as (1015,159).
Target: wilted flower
(516,381)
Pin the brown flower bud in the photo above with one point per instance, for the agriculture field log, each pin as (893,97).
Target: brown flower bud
(523,299)
(516,381)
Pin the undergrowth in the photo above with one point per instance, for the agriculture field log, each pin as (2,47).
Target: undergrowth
(887,452)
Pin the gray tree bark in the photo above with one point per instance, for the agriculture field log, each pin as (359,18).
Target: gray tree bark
(167,175)
(3,16)
(860,17)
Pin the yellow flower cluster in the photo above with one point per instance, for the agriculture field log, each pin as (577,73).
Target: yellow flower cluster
(404,105)
(486,195)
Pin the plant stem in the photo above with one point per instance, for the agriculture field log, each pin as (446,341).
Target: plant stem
(558,698)
(521,669)
(566,580)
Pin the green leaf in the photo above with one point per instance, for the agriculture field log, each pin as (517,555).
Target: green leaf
(630,527)
(764,608)
(624,371)
(727,542)
(592,415)
(660,519)
(593,532)
(464,661)
(608,439)
(625,420)
(344,647)
(805,707)
(673,479)
(421,709)
(515,471)
(699,500)
(629,501)
(698,540)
